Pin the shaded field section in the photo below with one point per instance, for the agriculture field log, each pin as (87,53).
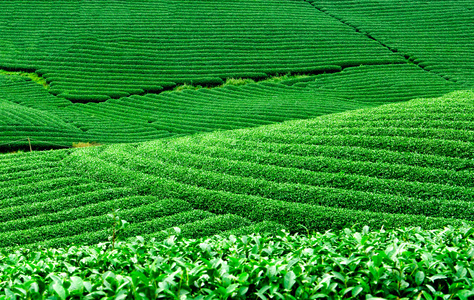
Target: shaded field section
(402,164)
(28,110)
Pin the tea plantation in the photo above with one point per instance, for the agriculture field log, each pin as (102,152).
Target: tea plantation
(446,52)
(103,66)
(407,164)
(90,51)
(54,122)
(251,149)
(398,165)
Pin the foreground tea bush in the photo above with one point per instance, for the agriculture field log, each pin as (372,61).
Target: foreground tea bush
(404,263)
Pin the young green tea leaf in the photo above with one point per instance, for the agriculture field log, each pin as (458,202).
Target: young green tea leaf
(289,280)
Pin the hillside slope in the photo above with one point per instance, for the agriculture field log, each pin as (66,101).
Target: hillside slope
(93,50)
(151,116)
(108,68)
(412,29)
(403,164)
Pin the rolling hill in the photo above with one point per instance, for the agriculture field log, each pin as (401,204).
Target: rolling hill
(54,122)
(395,165)
(347,124)
(108,71)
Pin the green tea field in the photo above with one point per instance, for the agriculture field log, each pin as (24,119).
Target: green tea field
(85,71)
(400,165)
(253,149)
(407,164)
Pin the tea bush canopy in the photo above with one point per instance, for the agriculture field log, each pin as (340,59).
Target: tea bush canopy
(349,263)
(402,164)
(103,67)
(223,149)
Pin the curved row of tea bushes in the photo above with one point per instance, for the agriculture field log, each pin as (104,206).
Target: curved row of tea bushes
(91,223)
(256,208)
(428,189)
(193,224)
(150,116)
(12,167)
(31,94)
(391,83)
(304,151)
(289,184)
(40,187)
(323,162)
(108,50)
(220,109)
(330,176)
(448,148)
(46,203)
(84,200)
(39,217)
(434,35)
(258,104)
(19,115)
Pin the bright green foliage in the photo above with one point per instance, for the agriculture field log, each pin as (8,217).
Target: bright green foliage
(406,263)
(403,164)
(112,66)
(33,112)
(126,54)
(92,50)
(412,29)
(23,76)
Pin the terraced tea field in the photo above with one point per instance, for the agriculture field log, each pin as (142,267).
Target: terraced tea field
(105,65)
(349,124)
(411,28)
(407,164)
(131,47)
(53,122)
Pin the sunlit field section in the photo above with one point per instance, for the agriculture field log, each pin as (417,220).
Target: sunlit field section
(404,164)
(432,34)
(54,122)
(91,50)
